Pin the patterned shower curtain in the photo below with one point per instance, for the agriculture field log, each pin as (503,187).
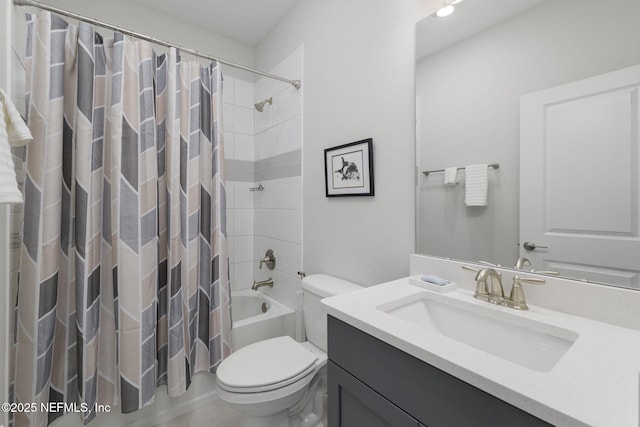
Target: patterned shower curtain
(124,263)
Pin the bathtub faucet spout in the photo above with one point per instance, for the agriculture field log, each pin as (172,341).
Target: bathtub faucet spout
(268,282)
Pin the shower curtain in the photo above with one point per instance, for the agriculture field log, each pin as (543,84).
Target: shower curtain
(124,281)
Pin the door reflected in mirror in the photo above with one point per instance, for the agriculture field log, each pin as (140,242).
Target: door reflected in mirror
(472,69)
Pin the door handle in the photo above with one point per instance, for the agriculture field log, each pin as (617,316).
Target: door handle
(530,246)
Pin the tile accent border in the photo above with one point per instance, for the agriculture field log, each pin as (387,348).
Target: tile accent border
(284,165)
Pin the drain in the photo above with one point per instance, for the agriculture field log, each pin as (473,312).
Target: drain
(265,307)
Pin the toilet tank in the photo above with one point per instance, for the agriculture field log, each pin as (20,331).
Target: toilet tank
(316,287)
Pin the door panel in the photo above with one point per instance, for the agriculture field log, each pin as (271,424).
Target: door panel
(579,181)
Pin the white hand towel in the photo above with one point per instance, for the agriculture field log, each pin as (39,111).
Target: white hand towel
(13,131)
(450,175)
(17,131)
(477,185)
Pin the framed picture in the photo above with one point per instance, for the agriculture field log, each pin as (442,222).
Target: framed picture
(348,169)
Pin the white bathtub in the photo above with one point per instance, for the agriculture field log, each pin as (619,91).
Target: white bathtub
(252,324)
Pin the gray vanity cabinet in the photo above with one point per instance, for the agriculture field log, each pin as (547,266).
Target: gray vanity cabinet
(371,383)
(360,405)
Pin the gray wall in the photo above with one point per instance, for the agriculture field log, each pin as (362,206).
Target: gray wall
(358,83)
(469,112)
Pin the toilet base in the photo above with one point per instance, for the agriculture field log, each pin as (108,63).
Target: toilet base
(304,407)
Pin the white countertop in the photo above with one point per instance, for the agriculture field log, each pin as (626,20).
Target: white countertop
(596,383)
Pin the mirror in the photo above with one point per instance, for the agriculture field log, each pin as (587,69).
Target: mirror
(472,67)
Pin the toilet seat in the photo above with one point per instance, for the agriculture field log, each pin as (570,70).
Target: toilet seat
(266,365)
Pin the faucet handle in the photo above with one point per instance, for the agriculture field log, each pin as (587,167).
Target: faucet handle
(531,280)
(269,260)
(490,264)
(547,272)
(466,267)
(516,298)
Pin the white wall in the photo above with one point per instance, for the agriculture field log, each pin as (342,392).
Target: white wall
(131,16)
(358,83)
(469,112)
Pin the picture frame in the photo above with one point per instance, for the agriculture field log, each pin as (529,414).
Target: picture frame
(348,169)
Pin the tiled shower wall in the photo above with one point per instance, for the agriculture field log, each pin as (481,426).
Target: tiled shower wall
(238,126)
(271,218)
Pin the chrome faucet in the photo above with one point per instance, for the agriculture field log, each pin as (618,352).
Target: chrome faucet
(494,292)
(491,293)
(521,262)
(257,285)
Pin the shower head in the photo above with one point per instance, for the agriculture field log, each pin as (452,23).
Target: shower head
(260,105)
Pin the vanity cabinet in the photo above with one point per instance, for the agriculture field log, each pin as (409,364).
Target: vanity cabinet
(360,405)
(371,383)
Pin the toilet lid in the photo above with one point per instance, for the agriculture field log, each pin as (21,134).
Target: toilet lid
(266,364)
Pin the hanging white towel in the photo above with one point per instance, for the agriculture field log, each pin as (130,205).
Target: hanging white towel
(17,131)
(451,175)
(477,185)
(13,131)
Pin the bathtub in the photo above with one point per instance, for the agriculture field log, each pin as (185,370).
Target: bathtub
(257,317)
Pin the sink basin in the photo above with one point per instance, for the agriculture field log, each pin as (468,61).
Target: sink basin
(531,344)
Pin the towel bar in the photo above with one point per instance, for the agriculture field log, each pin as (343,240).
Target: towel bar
(492,165)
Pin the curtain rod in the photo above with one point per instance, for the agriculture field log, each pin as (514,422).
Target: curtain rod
(295,83)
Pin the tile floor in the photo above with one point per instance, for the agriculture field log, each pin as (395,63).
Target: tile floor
(215,414)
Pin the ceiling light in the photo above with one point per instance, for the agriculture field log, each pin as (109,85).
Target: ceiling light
(456,1)
(445,11)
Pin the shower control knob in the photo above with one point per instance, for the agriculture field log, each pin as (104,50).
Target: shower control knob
(269,260)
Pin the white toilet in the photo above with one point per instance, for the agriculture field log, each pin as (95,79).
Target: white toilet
(280,382)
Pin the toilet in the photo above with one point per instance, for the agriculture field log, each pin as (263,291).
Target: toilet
(280,382)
